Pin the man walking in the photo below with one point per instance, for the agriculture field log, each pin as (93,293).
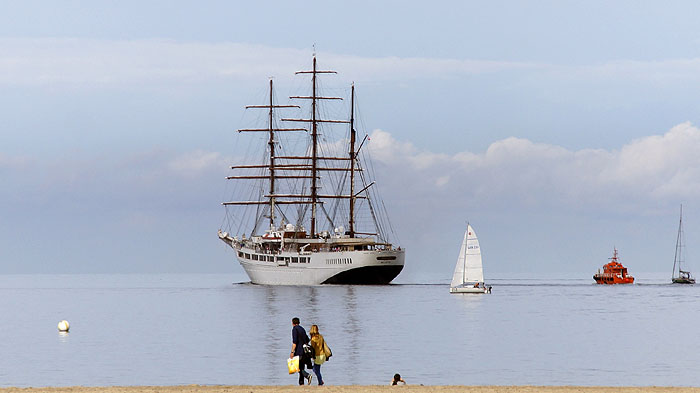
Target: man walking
(299,338)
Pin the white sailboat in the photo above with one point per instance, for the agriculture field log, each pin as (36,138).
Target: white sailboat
(679,275)
(469,272)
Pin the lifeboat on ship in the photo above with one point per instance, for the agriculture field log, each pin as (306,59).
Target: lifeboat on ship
(613,272)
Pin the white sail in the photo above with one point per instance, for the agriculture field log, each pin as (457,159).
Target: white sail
(458,276)
(468,267)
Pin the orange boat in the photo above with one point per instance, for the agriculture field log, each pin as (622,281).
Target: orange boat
(613,273)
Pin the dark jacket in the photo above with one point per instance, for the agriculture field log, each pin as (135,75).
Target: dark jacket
(299,338)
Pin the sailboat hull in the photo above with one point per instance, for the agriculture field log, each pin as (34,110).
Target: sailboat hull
(683,280)
(470,289)
(349,267)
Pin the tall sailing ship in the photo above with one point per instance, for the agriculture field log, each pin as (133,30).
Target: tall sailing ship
(308,212)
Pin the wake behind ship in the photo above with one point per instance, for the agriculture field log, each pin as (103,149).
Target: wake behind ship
(308,212)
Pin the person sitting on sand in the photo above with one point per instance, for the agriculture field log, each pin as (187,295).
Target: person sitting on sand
(397,379)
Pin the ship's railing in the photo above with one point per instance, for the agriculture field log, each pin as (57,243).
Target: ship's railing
(303,251)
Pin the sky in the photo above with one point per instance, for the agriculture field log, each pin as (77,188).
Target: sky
(558,129)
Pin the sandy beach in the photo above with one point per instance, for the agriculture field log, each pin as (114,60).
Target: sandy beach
(349,389)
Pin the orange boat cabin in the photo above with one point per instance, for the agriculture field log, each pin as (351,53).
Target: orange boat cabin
(613,273)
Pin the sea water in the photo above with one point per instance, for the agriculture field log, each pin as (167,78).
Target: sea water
(218,329)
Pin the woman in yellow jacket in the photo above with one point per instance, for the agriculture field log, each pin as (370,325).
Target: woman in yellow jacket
(318,344)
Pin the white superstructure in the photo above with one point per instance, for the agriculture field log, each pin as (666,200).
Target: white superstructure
(335,262)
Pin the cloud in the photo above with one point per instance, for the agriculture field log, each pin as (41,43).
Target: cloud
(138,198)
(13,162)
(196,162)
(653,169)
(111,63)
(442,180)
(417,67)
(146,180)
(114,63)
(659,71)
(512,171)
(142,64)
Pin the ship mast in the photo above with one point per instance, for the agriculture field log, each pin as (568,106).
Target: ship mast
(271,144)
(271,148)
(307,166)
(314,151)
(314,120)
(351,221)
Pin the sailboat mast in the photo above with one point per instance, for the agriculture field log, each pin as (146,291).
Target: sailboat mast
(351,222)
(679,246)
(271,143)
(680,238)
(466,247)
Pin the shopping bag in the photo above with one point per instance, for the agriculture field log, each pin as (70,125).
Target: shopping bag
(293,364)
(327,350)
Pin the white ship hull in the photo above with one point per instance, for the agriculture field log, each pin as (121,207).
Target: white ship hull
(342,267)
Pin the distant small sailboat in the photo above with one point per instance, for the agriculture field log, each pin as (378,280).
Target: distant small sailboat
(680,276)
(469,272)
